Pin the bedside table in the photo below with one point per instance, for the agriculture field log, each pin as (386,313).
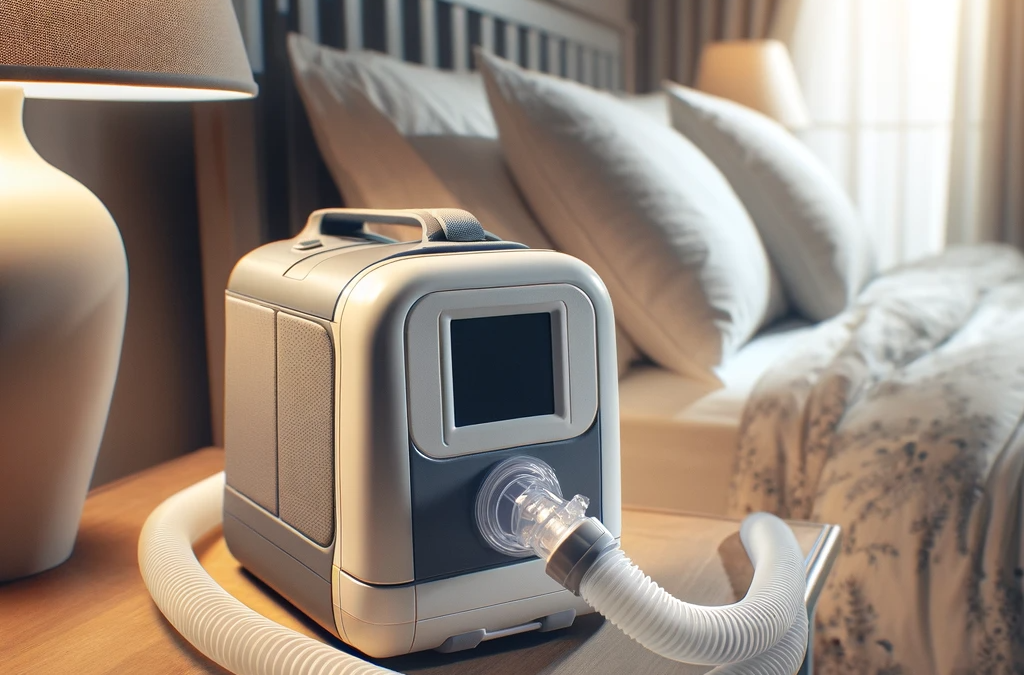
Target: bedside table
(94,615)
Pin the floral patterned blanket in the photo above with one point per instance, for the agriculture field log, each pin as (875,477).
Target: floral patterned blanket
(901,421)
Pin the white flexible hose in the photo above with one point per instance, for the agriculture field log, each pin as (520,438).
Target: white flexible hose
(217,624)
(785,657)
(766,630)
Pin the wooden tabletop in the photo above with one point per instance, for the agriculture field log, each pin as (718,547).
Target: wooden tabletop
(94,615)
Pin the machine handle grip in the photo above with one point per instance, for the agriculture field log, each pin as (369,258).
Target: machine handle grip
(436,224)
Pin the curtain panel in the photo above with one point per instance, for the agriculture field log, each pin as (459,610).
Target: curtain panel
(879,78)
(671,33)
(986,186)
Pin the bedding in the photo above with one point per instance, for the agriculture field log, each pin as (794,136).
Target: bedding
(901,421)
(679,434)
(808,224)
(642,206)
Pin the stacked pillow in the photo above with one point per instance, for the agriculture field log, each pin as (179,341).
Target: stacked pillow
(807,222)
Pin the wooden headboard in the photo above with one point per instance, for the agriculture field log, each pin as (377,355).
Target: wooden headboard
(258,169)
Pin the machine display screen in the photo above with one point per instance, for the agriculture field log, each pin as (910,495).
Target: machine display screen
(502,368)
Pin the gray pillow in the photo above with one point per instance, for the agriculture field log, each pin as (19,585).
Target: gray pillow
(809,227)
(645,208)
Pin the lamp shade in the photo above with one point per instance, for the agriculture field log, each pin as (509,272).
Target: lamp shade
(756,73)
(124,49)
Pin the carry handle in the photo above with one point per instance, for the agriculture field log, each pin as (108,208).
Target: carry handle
(436,224)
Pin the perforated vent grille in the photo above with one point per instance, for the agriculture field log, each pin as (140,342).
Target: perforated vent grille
(305,384)
(250,402)
(185,37)
(460,225)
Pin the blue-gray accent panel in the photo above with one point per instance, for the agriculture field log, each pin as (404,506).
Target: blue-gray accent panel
(445,538)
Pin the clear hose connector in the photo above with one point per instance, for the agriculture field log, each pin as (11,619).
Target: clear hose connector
(520,510)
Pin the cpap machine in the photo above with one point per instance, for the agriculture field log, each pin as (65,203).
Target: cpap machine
(404,424)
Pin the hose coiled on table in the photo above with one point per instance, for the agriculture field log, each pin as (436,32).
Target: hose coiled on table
(217,624)
(763,634)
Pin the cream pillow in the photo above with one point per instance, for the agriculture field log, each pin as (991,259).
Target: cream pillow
(809,226)
(399,135)
(644,207)
(653,104)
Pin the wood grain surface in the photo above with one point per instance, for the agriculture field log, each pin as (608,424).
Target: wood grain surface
(94,615)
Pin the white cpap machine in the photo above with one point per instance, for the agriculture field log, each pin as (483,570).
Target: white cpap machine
(370,387)
(401,423)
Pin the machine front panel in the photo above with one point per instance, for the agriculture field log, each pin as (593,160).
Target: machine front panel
(445,537)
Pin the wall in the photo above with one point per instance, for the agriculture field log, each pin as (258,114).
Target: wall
(613,11)
(672,33)
(138,159)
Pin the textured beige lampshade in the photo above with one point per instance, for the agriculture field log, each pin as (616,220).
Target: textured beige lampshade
(124,49)
(756,73)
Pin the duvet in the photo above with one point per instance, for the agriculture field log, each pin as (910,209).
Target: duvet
(901,421)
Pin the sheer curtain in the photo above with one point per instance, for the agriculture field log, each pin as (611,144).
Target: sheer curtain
(880,77)
(918,109)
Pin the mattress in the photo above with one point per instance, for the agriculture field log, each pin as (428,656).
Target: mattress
(679,435)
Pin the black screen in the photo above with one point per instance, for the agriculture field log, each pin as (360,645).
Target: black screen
(502,368)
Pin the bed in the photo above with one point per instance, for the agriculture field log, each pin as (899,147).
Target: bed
(679,434)
(894,410)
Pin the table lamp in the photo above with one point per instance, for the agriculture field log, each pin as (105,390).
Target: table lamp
(756,73)
(63,271)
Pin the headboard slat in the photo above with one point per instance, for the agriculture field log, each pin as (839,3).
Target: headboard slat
(353,24)
(428,33)
(309,19)
(511,42)
(572,61)
(460,39)
(554,19)
(554,64)
(487,32)
(394,33)
(250,19)
(533,49)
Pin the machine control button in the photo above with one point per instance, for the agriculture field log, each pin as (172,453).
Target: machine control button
(307,245)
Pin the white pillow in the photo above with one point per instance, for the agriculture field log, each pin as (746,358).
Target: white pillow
(399,135)
(808,225)
(644,207)
(653,104)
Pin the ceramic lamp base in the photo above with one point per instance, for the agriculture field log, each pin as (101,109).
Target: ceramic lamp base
(63,299)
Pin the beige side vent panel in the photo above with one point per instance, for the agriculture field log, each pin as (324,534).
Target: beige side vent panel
(250,402)
(305,427)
